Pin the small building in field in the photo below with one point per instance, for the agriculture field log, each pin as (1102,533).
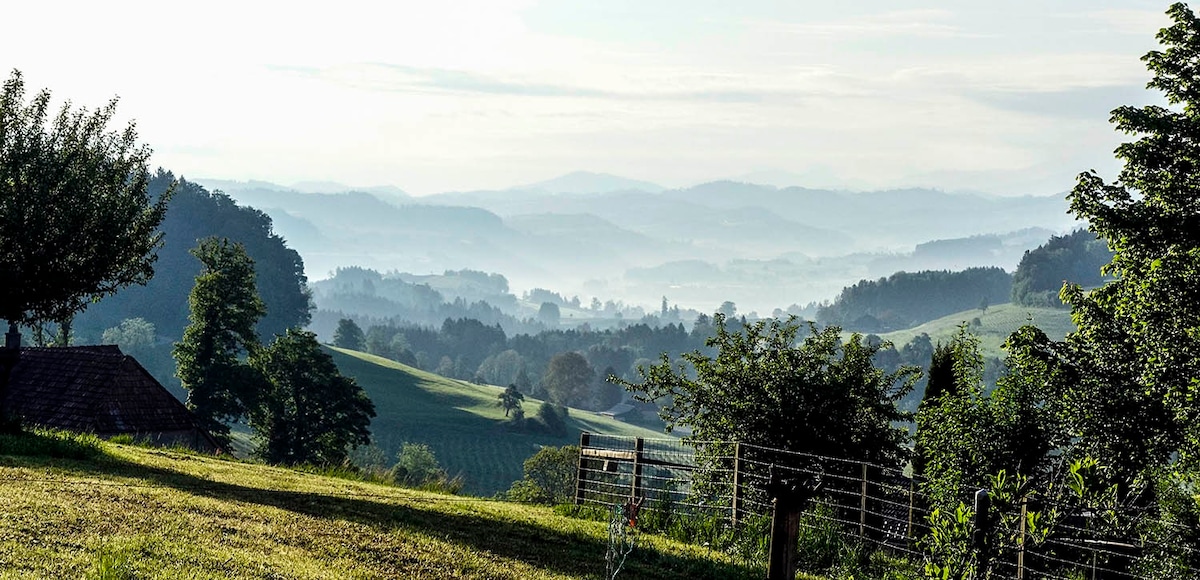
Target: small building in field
(100,390)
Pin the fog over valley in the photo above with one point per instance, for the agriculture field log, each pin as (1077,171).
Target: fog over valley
(596,235)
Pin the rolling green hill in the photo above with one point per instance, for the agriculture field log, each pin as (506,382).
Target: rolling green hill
(460,421)
(994,327)
(100,510)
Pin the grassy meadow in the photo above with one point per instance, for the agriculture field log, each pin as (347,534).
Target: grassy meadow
(108,511)
(460,421)
(995,325)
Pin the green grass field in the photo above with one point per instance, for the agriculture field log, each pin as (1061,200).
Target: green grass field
(123,512)
(994,327)
(460,421)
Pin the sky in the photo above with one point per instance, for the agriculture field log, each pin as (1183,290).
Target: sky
(1007,97)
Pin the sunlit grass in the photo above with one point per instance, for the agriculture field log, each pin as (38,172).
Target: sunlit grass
(995,326)
(460,421)
(134,512)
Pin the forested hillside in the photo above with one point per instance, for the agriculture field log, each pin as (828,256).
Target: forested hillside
(907,299)
(1075,258)
(195,213)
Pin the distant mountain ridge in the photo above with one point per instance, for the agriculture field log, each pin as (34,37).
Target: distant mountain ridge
(760,245)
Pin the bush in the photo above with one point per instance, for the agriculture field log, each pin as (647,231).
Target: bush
(417,466)
(553,418)
(549,476)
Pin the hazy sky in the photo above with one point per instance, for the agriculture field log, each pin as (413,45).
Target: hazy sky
(1008,97)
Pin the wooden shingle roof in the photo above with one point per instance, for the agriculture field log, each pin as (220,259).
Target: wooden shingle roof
(96,389)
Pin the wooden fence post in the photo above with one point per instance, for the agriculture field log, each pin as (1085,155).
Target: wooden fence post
(862,507)
(787,503)
(983,528)
(635,489)
(737,483)
(1021,541)
(580,474)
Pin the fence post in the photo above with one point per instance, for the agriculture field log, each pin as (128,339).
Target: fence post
(737,483)
(1021,541)
(635,489)
(786,504)
(983,528)
(862,506)
(580,475)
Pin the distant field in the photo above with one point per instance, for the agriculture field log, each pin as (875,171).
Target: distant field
(127,512)
(459,421)
(994,327)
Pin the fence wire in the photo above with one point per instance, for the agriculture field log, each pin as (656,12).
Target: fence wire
(878,505)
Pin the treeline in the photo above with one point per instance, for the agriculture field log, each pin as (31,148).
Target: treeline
(469,349)
(905,299)
(431,298)
(195,213)
(1075,258)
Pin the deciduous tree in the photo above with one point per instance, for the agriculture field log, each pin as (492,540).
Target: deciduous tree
(224,310)
(1150,216)
(821,395)
(568,378)
(348,335)
(76,221)
(306,411)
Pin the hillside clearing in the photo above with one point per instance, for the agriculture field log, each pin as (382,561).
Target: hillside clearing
(460,421)
(131,512)
(995,326)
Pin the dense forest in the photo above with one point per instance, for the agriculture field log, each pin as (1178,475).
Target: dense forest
(904,299)
(195,213)
(1075,258)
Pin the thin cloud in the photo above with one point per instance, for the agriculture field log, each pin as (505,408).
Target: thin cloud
(685,85)
(915,23)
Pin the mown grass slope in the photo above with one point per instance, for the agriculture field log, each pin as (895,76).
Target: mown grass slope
(995,326)
(129,512)
(460,421)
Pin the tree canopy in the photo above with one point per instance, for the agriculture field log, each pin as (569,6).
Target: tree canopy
(196,213)
(306,411)
(1075,258)
(349,335)
(76,219)
(1139,336)
(225,308)
(819,395)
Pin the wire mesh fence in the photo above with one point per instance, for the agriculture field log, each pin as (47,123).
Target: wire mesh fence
(880,506)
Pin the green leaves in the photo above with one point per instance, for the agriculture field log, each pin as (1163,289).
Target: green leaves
(76,220)
(305,411)
(767,387)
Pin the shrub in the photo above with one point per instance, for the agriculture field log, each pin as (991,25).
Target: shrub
(549,476)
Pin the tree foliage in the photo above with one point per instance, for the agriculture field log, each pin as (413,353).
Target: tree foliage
(306,411)
(196,213)
(1076,258)
(510,399)
(549,476)
(349,335)
(967,435)
(76,219)
(133,335)
(1150,316)
(906,299)
(568,379)
(224,310)
(819,395)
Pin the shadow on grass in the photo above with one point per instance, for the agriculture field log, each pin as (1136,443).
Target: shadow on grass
(540,546)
